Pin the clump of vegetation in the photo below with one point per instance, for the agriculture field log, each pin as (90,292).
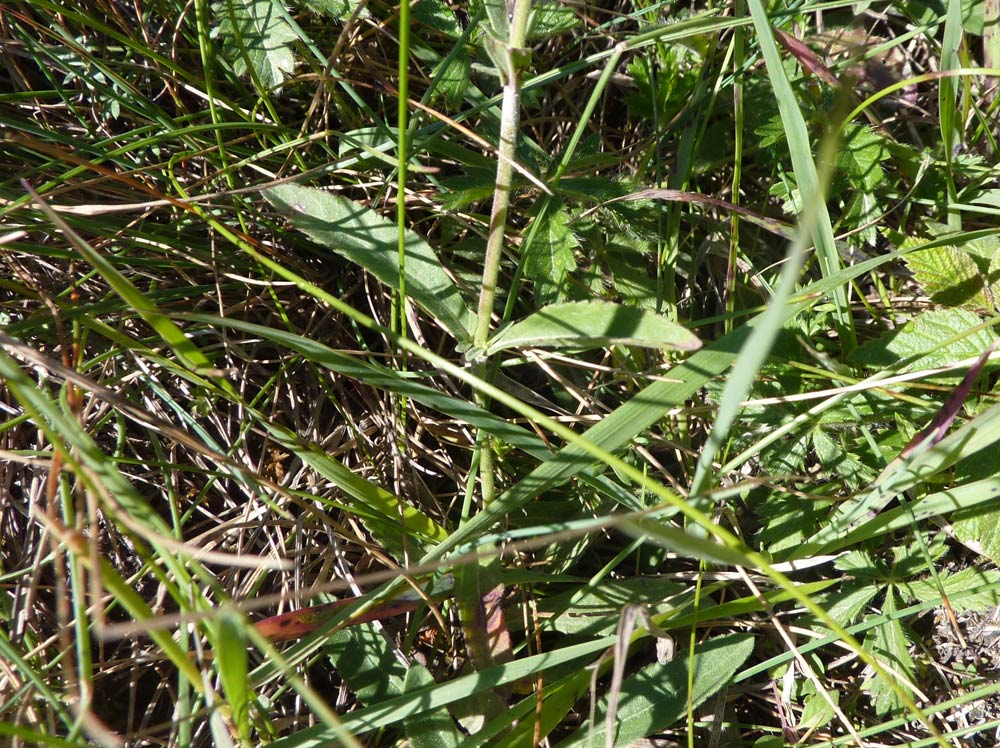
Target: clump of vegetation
(628,370)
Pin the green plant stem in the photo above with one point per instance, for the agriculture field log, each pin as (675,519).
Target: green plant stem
(510,116)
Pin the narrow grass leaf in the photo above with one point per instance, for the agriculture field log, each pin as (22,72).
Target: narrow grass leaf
(230,646)
(684,543)
(656,697)
(971,437)
(389,380)
(801,151)
(188,353)
(432,729)
(369,240)
(593,324)
(435,697)
(387,514)
(969,500)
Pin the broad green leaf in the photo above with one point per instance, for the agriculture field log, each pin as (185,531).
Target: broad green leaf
(230,647)
(656,697)
(431,729)
(436,15)
(363,658)
(369,240)
(593,324)
(549,18)
(256,36)
(816,712)
(921,338)
(949,276)
(845,606)
(551,256)
(993,281)
(497,17)
(597,611)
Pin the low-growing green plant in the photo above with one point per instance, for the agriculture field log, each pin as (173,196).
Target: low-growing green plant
(628,370)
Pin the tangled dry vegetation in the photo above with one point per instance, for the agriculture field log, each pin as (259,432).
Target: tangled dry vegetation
(207,415)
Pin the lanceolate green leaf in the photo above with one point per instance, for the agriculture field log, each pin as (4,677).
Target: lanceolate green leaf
(592,324)
(369,240)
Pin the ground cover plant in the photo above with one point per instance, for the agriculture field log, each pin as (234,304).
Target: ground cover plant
(626,371)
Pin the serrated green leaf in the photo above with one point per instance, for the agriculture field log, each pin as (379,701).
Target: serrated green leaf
(980,531)
(369,240)
(656,697)
(860,155)
(453,78)
(992,282)
(593,324)
(549,18)
(436,15)
(949,276)
(890,645)
(256,35)
(475,184)
(816,712)
(338,10)
(770,132)
(845,607)
(551,256)
(921,338)
(953,584)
